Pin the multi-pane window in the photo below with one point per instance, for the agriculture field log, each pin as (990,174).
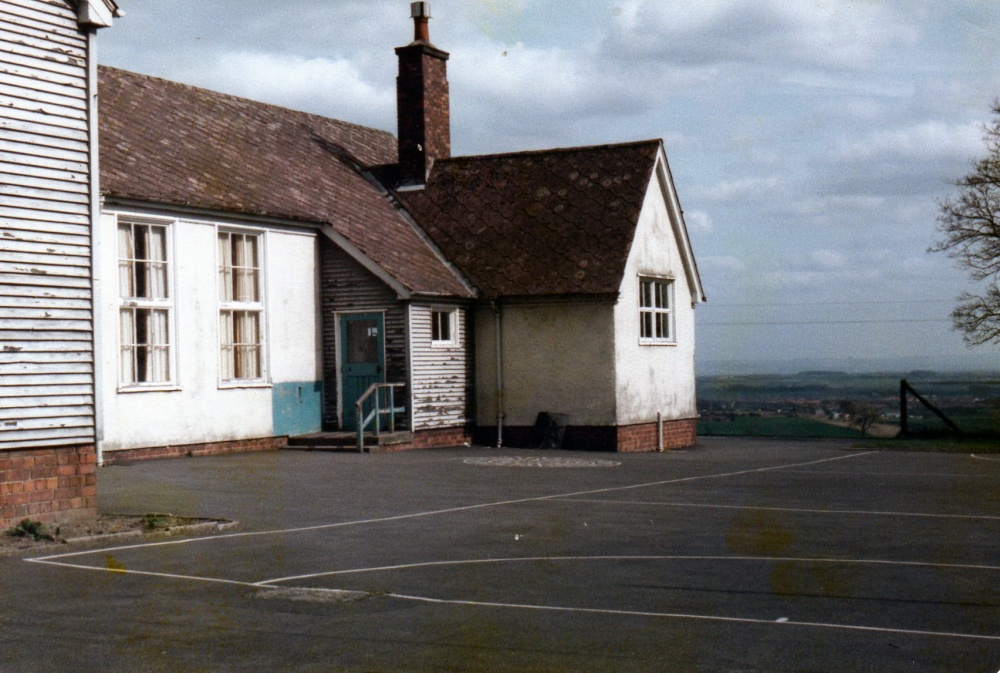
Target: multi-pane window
(655,310)
(443,327)
(144,304)
(241,309)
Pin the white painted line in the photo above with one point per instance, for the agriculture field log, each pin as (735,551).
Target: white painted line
(707,618)
(994,460)
(936,475)
(550,559)
(127,571)
(437,512)
(852,512)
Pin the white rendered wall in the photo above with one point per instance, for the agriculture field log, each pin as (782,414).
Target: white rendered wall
(654,378)
(557,358)
(199,408)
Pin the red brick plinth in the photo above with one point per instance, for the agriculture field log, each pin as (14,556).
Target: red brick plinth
(53,484)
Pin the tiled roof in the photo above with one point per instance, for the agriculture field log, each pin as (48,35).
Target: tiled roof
(172,144)
(553,222)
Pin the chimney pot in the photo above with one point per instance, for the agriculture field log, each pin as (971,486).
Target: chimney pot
(418,9)
(421,13)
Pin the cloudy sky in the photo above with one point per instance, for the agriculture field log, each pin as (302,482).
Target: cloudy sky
(809,139)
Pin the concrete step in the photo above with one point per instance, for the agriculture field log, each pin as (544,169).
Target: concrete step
(345,441)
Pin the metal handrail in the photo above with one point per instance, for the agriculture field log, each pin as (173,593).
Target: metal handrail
(377,412)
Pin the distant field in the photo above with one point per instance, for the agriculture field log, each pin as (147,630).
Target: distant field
(775,426)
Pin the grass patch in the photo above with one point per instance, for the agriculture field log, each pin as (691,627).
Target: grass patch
(775,426)
(936,444)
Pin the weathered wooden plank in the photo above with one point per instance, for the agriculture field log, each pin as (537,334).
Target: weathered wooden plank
(15,313)
(71,38)
(49,324)
(61,222)
(31,349)
(12,356)
(18,149)
(45,16)
(49,389)
(46,294)
(51,63)
(15,404)
(55,11)
(45,114)
(36,124)
(44,280)
(12,246)
(12,382)
(42,178)
(35,260)
(34,429)
(45,412)
(81,438)
(40,268)
(14,336)
(30,41)
(46,370)
(30,231)
(49,199)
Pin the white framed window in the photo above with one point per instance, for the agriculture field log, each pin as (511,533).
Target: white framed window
(444,327)
(145,312)
(656,315)
(241,307)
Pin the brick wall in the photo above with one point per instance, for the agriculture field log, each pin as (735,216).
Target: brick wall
(422,109)
(642,437)
(437,438)
(187,450)
(51,484)
(676,435)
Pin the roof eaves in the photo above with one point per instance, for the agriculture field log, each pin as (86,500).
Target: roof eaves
(666,183)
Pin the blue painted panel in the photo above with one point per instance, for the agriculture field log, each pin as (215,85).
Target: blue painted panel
(297,407)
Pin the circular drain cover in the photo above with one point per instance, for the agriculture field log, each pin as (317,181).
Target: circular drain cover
(531,461)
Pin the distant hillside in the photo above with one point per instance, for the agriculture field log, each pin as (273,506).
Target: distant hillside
(983,360)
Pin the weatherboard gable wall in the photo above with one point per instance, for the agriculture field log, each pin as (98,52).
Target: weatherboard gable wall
(48,195)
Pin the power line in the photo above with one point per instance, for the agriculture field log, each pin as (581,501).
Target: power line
(824,322)
(709,304)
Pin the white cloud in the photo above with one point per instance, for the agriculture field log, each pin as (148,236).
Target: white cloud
(698,221)
(837,34)
(732,190)
(829,259)
(333,87)
(721,262)
(925,141)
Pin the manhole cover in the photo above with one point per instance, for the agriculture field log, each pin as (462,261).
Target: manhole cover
(530,461)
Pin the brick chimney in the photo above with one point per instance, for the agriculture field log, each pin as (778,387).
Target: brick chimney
(422,109)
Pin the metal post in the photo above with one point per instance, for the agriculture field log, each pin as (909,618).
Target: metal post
(392,409)
(903,416)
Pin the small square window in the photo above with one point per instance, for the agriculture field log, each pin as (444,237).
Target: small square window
(656,316)
(443,327)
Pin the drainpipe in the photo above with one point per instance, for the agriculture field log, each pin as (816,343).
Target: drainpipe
(95,245)
(498,326)
(659,432)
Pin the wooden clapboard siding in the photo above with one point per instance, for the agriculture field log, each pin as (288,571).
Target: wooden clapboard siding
(348,287)
(441,376)
(46,301)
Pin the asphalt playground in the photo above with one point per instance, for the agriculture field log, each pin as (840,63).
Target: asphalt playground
(738,555)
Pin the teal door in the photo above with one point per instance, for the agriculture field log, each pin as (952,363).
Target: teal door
(362,360)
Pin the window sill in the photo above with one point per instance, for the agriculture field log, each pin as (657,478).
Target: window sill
(149,389)
(656,342)
(444,344)
(231,385)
